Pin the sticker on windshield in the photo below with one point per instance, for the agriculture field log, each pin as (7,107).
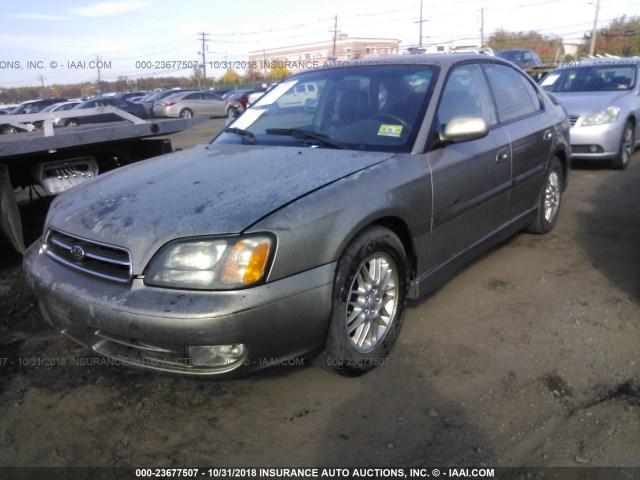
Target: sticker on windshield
(390,130)
(549,79)
(247,118)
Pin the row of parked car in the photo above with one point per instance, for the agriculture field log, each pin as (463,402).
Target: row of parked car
(185,103)
(601,97)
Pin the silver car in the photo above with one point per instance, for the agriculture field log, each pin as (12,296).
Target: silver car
(190,104)
(602,98)
(303,232)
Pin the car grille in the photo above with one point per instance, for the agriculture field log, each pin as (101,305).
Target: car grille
(573,119)
(99,259)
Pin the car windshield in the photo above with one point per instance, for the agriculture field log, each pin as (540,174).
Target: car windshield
(375,109)
(595,78)
(51,108)
(511,55)
(24,108)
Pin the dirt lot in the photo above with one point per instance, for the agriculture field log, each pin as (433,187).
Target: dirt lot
(528,357)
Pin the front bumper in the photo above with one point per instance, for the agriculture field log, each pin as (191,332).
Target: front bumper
(152,328)
(596,142)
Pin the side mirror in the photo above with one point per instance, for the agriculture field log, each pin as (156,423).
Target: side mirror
(464,129)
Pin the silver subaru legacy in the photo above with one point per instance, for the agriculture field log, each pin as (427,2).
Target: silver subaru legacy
(303,230)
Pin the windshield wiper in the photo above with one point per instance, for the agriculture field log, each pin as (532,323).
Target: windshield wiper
(321,138)
(246,135)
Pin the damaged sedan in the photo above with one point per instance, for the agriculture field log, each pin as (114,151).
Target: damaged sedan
(301,231)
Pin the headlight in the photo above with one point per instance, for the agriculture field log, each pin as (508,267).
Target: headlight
(608,115)
(212,263)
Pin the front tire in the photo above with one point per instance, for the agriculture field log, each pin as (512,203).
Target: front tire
(627,146)
(369,300)
(72,122)
(549,199)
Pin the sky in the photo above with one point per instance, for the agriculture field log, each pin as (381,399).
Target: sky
(58,42)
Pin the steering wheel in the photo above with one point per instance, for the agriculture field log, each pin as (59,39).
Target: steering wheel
(389,116)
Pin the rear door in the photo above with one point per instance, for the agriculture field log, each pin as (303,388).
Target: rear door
(521,113)
(193,102)
(215,106)
(471,180)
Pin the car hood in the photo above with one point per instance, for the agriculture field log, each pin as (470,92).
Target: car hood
(583,103)
(205,190)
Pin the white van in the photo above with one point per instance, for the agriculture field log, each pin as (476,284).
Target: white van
(300,95)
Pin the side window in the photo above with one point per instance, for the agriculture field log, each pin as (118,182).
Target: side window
(466,94)
(515,96)
(192,96)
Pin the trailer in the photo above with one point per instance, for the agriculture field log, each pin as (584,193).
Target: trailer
(56,159)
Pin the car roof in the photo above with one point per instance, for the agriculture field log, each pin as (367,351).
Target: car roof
(603,62)
(444,60)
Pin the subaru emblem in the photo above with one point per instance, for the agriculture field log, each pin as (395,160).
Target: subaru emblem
(77,252)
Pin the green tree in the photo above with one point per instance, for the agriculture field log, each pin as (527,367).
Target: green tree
(621,37)
(197,77)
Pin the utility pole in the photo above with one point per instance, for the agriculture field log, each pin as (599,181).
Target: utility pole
(99,79)
(420,22)
(335,36)
(594,32)
(481,27)
(41,81)
(203,37)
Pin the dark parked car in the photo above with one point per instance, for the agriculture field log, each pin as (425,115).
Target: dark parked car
(304,232)
(30,106)
(129,95)
(522,57)
(132,108)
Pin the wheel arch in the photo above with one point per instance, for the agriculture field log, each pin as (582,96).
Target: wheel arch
(634,122)
(565,162)
(396,225)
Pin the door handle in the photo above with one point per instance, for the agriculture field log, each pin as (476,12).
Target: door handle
(503,155)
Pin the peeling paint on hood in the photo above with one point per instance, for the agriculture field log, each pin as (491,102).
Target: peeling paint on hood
(209,189)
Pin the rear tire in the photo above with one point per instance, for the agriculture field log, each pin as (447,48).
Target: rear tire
(7,129)
(549,199)
(186,113)
(72,122)
(369,300)
(627,146)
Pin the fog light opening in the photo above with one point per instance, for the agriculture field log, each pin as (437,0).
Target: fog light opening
(216,355)
(595,149)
